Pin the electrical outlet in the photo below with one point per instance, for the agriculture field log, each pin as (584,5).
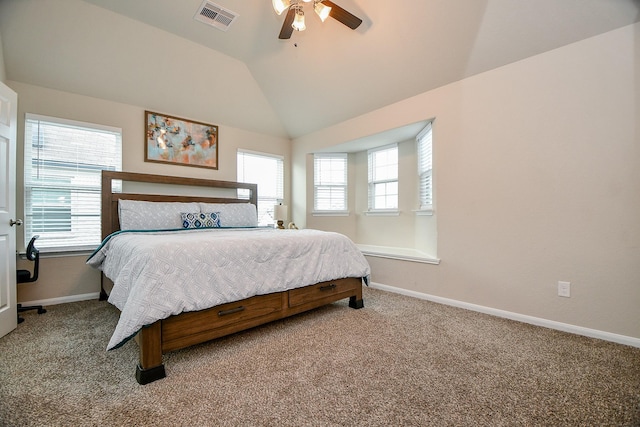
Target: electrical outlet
(564,289)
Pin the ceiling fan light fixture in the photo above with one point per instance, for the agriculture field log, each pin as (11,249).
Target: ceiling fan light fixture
(298,21)
(294,19)
(280,5)
(322,10)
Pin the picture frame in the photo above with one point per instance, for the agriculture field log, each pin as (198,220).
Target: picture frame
(178,141)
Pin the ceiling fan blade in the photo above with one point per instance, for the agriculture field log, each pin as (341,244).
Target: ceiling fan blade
(287,29)
(339,14)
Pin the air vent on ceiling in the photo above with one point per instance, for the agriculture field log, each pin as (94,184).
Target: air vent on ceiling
(215,15)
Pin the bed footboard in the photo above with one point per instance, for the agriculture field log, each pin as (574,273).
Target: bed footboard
(192,328)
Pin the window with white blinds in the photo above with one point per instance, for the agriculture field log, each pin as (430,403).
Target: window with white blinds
(425,168)
(266,170)
(383,178)
(330,182)
(63,160)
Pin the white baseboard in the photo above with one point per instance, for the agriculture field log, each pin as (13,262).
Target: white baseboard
(63,300)
(565,327)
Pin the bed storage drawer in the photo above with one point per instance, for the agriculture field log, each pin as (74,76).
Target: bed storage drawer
(320,292)
(187,328)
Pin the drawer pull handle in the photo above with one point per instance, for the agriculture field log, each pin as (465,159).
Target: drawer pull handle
(231,311)
(328,287)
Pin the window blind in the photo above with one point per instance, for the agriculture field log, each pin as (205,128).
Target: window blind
(425,168)
(63,160)
(383,177)
(266,170)
(330,181)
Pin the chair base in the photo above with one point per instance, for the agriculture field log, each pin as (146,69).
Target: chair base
(21,309)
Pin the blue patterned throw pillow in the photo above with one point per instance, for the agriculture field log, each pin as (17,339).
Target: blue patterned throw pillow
(201,220)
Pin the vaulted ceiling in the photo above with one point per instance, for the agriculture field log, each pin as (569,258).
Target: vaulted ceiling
(153,53)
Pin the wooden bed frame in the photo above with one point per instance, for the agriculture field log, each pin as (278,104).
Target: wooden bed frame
(190,328)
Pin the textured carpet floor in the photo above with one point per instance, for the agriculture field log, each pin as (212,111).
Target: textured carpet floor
(399,361)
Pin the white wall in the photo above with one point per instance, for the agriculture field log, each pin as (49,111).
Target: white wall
(3,74)
(537,179)
(68,276)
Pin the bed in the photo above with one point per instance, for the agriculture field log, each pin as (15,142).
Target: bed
(213,276)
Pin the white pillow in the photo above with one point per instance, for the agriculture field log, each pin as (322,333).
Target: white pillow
(233,214)
(141,215)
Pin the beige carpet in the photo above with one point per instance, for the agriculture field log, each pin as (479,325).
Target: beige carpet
(399,361)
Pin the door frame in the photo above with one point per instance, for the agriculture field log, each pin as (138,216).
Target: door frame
(8,220)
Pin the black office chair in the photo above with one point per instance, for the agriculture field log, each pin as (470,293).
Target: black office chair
(25,276)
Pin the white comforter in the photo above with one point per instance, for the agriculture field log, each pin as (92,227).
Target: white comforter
(161,273)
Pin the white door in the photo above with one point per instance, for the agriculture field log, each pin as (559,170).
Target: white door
(8,127)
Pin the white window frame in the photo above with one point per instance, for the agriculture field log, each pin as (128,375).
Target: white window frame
(63,163)
(382,175)
(424,148)
(330,183)
(271,192)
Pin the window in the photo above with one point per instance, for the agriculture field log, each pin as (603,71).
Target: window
(330,182)
(425,192)
(266,170)
(63,161)
(383,178)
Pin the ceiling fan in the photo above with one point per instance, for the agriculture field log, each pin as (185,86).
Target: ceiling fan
(294,20)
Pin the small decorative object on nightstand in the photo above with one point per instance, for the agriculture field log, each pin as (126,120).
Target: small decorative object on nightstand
(280,213)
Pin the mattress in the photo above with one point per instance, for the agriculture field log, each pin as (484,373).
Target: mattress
(157,274)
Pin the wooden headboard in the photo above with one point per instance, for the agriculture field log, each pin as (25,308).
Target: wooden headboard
(110,220)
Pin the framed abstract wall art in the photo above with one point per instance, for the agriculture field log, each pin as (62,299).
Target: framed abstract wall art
(179,141)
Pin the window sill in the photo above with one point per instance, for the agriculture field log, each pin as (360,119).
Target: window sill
(403,254)
(60,253)
(330,213)
(424,212)
(387,212)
